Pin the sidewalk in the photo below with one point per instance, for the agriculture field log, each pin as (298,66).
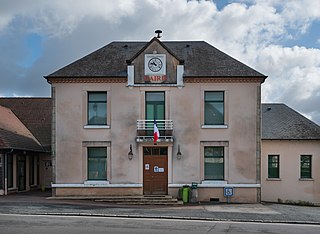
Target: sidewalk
(36,203)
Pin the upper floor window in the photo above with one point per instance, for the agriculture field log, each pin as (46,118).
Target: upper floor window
(305,166)
(155,105)
(214,108)
(273,166)
(97,108)
(214,163)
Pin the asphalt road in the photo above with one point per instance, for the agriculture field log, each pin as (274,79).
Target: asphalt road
(49,224)
(266,215)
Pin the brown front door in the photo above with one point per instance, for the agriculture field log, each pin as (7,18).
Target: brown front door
(155,170)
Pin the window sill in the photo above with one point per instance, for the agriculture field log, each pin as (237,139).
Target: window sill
(214,182)
(214,126)
(96,182)
(306,179)
(96,126)
(273,179)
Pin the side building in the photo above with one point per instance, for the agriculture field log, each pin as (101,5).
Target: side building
(290,156)
(205,104)
(25,144)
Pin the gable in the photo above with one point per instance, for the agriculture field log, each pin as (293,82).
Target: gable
(155,64)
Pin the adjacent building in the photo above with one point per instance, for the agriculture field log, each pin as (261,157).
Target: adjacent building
(25,144)
(290,156)
(205,104)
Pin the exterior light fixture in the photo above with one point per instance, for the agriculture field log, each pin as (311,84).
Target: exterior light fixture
(179,154)
(130,154)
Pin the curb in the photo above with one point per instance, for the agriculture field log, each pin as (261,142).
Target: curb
(171,218)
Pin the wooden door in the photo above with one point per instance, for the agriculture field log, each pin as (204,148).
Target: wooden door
(155,171)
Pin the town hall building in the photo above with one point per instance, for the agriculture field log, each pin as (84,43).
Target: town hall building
(204,103)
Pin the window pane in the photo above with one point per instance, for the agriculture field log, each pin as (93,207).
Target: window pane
(163,151)
(214,108)
(213,96)
(155,96)
(214,163)
(97,108)
(213,151)
(305,166)
(273,166)
(97,97)
(155,151)
(97,163)
(147,150)
(160,112)
(150,112)
(214,171)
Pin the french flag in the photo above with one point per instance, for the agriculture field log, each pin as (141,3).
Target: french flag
(156,133)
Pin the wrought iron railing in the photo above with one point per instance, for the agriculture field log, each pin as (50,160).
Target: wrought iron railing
(145,130)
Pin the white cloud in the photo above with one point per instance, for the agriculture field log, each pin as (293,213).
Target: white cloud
(251,31)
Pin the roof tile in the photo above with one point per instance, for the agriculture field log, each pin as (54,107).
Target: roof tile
(200,60)
(280,122)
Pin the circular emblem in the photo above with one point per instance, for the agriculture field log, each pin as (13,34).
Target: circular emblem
(155,64)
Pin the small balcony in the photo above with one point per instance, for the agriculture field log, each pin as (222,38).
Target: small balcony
(145,130)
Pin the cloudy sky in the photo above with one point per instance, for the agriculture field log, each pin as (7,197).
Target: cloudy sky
(281,39)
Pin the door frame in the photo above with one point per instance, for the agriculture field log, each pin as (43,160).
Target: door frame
(169,145)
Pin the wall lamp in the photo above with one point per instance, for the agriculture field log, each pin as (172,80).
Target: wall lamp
(179,154)
(130,154)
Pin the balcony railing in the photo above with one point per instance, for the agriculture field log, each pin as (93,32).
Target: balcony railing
(145,130)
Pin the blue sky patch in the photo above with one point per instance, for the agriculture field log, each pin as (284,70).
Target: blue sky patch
(33,45)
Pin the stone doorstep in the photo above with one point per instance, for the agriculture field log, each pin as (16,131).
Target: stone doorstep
(141,200)
(112,197)
(138,200)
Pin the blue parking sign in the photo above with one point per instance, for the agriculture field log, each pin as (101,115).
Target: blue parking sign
(228,191)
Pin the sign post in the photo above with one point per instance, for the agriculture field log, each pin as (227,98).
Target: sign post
(228,192)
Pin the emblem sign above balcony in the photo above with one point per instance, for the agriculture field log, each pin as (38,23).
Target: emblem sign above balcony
(155,68)
(155,65)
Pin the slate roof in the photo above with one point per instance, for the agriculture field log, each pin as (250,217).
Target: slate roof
(12,140)
(280,122)
(35,114)
(200,60)
(13,133)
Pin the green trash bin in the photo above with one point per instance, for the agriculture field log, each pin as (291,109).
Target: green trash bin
(185,193)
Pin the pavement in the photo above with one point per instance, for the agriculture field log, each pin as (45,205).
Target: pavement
(37,203)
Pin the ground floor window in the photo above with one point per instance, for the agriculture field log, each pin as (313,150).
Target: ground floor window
(214,163)
(305,167)
(273,166)
(97,163)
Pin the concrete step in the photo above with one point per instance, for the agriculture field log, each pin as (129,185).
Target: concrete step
(141,200)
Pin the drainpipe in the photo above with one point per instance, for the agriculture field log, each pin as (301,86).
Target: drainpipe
(6,172)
